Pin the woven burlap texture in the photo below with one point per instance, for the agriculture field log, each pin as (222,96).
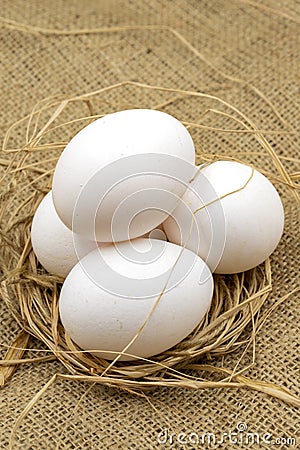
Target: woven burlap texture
(255,45)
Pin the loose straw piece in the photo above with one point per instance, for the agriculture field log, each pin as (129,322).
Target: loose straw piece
(12,356)
(39,30)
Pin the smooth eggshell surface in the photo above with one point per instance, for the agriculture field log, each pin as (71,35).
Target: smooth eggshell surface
(236,232)
(121,175)
(156,233)
(107,297)
(55,246)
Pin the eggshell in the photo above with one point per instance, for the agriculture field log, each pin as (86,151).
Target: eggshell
(121,176)
(234,233)
(156,233)
(108,295)
(55,246)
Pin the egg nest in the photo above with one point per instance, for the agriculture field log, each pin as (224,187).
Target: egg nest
(239,307)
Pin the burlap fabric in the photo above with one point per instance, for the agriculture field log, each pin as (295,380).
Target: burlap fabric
(254,44)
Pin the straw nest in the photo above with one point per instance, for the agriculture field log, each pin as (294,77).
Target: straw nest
(30,150)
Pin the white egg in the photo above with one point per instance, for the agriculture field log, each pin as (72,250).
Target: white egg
(122,175)
(236,232)
(55,246)
(109,295)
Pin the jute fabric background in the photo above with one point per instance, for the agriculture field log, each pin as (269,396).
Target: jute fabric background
(243,51)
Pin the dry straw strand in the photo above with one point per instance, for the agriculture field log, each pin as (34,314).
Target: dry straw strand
(269,9)
(13,354)
(38,30)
